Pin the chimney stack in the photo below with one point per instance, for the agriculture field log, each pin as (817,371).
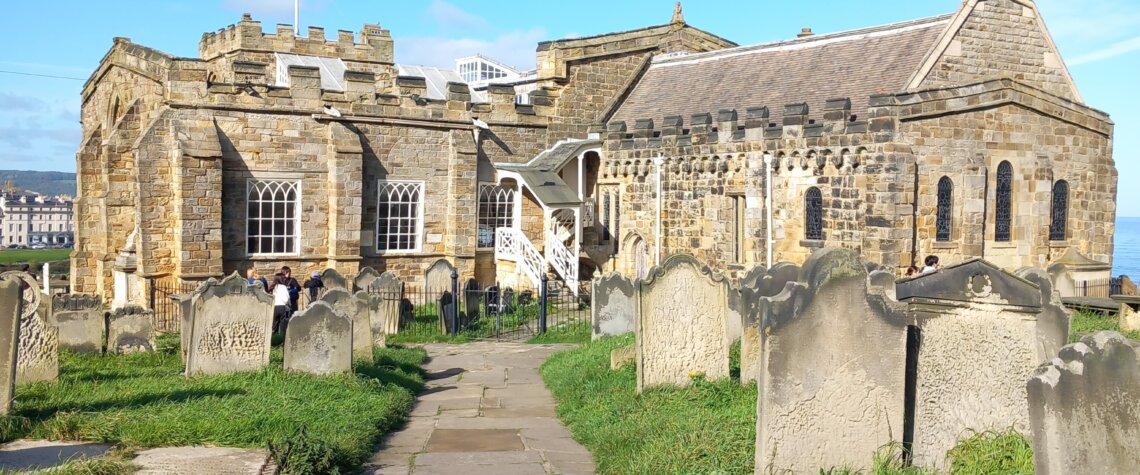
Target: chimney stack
(805,32)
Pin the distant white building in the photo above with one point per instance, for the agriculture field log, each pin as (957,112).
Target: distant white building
(477,72)
(28,219)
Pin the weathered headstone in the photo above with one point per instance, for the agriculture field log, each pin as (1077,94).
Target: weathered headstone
(38,358)
(334,280)
(1054,319)
(977,342)
(1129,314)
(231,326)
(130,329)
(318,340)
(1084,407)
(753,286)
(357,312)
(831,382)
(613,308)
(682,324)
(365,279)
(472,299)
(622,356)
(79,319)
(445,306)
(11,302)
(367,307)
(391,292)
(437,277)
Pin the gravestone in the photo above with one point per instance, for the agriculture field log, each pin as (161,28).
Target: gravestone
(130,329)
(754,286)
(445,306)
(367,310)
(1084,407)
(357,312)
(79,320)
(1128,314)
(186,323)
(334,280)
(977,342)
(318,340)
(231,326)
(682,324)
(620,357)
(391,293)
(832,375)
(472,298)
(38,358)
(612,310)
(365,279)
(1054,319)
(437,277)
(11,301)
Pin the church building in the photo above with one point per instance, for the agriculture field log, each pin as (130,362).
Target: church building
(960,135)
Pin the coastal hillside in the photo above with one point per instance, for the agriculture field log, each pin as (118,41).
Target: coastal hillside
(45,183)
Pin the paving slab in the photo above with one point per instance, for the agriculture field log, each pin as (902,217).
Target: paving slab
(485,411)
(39,454)
(201,460)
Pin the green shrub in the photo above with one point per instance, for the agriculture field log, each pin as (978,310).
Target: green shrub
(301,454)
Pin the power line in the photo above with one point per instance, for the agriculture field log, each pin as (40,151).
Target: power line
(41,75)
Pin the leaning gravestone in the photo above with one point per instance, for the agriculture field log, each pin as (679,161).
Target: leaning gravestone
(231,326)
(391,293)
(79,319)
(318,340)
(977,343)
(832,377)
(754,286)
(612,309)
(1054,320)
(365,279)
(367,307)
(38,358)
(437,277)
(682,324)
(1084,407)
(130,329)
(11,302)
(334,280)
(357,312)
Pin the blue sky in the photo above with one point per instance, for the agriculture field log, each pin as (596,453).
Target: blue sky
(39,128)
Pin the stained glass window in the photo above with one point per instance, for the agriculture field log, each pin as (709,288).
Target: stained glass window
(813,210)
(1060,213)
(945,207)
(1003,214)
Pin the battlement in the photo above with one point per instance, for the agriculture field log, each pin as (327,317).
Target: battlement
(375,43)
(726,125)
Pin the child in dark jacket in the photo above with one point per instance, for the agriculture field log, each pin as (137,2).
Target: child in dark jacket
(314,284)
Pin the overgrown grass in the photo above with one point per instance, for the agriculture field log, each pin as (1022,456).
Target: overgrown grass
(708,428)
(19,256)
(142,400)
(1090,322)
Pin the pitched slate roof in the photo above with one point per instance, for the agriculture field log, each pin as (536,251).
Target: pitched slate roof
(854,64)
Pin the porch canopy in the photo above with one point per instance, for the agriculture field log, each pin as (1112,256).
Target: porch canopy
(541,173)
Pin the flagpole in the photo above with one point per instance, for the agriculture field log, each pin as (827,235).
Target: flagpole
(296,17)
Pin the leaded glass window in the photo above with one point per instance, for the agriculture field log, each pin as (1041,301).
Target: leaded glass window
(496,210)
(813,211)
(945,208)
(1003,213)
(1060,213)
(271,220)
(399,216)
(606,236)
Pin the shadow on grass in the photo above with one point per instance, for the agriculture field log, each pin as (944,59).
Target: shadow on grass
(127,403)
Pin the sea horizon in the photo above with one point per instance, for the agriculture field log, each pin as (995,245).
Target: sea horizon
(1126,247)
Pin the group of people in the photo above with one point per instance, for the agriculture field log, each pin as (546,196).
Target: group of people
(930,265)
(286,292)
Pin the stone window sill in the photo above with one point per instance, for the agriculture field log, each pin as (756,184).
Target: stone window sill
(812,243)
(1060,244)
(1003,245)
(944,245)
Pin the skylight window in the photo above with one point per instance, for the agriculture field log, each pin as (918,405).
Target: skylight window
(332,69)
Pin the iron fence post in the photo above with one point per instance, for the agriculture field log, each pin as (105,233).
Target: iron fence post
(454,303)
(542,305)
(151,294)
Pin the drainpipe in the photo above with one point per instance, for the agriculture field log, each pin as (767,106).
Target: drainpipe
(658,161)
(768,208)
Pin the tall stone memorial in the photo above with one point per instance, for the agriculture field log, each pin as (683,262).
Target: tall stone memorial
(682,324)
(130,329)
(831,380)
(11,303)
(612,310)
(318,340)
(976,346)
(38,358)
(1084,407)
(231,326)
(357,312)
(79,320)
(759,282)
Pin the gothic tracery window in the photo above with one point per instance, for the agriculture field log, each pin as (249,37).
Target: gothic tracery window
(813,214)
(1003,213)
(945,207)
(1060,211)
(271,217)
(399,216)
(496,210)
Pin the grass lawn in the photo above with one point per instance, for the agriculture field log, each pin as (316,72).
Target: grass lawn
(1091,322)
(142,400)
(19,256)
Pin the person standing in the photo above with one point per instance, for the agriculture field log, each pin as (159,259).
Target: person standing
(294,288)
(280,292)
(314,284)
(252,277)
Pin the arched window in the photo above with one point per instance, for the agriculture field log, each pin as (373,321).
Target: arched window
(945,206)
(496,210)
(272,225)
(1060,213)
(813,214)
(1003,215)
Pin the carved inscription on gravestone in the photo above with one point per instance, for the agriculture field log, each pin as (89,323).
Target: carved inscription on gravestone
(79,319)
(38,358)
(232,323)
(130,329)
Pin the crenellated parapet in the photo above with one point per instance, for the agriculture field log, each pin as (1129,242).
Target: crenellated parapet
(374,44)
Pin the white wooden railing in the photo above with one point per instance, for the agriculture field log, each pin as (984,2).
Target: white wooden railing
(512,245)
(563,260)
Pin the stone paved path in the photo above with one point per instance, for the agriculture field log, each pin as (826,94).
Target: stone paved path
(485,411)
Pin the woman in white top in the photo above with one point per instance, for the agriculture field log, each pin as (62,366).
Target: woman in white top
(280,291)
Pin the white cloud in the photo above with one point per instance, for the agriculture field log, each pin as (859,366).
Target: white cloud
(16,102)
(1087,23)
(1112,51)
(514,48)
(452,17)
